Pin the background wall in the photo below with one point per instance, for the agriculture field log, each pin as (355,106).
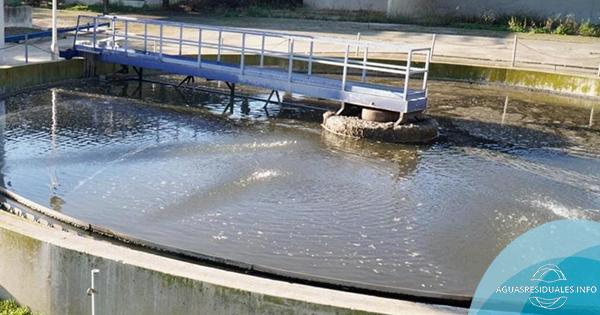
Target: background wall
(581,9)
(17,16)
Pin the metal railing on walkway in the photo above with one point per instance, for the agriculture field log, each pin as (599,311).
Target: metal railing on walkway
(184,48)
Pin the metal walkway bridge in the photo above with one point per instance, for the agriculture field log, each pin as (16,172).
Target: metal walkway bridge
(271,60)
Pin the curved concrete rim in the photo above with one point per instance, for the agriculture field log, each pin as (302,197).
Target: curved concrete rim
(420,296)
(264,288)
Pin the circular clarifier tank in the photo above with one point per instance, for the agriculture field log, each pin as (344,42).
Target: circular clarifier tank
(273,189)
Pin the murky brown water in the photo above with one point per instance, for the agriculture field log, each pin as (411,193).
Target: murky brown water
(271,188)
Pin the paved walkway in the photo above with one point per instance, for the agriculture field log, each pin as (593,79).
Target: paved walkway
(571,54)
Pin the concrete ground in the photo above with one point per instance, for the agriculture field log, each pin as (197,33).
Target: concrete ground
(572,54)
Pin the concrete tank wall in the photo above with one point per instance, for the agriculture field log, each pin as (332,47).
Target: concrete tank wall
(351,5)
(581,9)
(48,269)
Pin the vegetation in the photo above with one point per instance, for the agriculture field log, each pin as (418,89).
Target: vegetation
(12,308)
(567,25)
(489,20)
(113,7)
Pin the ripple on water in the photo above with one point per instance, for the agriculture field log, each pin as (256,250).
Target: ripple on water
(280,193)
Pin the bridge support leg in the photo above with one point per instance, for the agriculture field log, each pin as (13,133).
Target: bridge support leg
(276,93)
(189,79)
(231,87)
(140,73)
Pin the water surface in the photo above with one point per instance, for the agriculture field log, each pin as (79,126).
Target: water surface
(271,188)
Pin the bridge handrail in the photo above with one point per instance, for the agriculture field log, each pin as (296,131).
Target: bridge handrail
(311,58)
(250,31)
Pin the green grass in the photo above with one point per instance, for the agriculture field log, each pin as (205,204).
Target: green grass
(12,308)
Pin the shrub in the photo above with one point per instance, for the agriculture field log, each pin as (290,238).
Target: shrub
(588,29)
(12,308)
(567,26)
(515,25)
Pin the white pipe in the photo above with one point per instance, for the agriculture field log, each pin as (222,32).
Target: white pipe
(93,291)
(2,24)
(54,44)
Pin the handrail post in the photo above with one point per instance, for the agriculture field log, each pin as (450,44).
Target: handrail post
(243,55)
(126,36)
(262,51)
(357,44)
(407,76)
(26,48)
(310,56)
(345,71)
(219,45)
(113,29)
(365,60)
(76,31)
(291,58)
(433,39)
(200,48)
(514,52)
(145,38)
(180,39)
(95,29)
(160,39)
(426,74)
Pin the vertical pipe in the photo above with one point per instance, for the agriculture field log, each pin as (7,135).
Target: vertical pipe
(26,48)
(365,60)
(599,70)
(243,55)
(357,43)
(113,27)
(95,30)
(433,38)
(145,37)
(514,52)
(180,39)
(160,48)
(92,290)
(291,58)
(591,117)
(407,76)
(504,110)
(219,45)
(2,25)
(345,71)
(262,51)
(126,36)
(310,56)
(54,44)
(199,48)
